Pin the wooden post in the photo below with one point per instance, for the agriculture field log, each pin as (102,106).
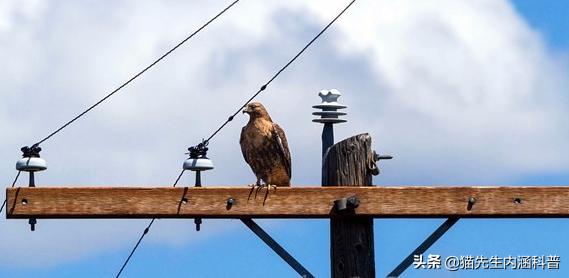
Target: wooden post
(350,163)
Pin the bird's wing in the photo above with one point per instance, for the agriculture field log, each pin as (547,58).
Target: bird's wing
(243,146)
(280,139)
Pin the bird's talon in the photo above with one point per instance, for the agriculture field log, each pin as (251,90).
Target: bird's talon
(259,187)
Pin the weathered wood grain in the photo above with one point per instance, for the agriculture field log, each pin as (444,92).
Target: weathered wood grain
(294,202)
(350,162)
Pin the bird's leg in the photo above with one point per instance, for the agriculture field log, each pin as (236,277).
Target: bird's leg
(253,186)
(258,186)
(258,189)
(268,186)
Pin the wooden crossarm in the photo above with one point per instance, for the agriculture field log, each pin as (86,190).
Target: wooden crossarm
(293,202)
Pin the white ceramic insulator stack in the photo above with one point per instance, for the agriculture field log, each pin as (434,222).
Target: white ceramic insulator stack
(329,107)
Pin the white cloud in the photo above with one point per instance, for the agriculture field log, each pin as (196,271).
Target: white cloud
(475,84)
(460,92)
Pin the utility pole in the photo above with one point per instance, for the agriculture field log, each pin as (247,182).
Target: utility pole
(349,163)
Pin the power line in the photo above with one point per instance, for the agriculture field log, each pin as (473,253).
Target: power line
(13,183)
(136,246)
(279,72)
(146,230)
(263,87)
(205,142)
(137,75)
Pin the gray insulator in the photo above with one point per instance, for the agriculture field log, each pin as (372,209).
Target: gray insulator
(329,107)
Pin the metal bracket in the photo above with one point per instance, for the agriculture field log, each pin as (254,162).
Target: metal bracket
(346,205)
(438,233)
(287,257)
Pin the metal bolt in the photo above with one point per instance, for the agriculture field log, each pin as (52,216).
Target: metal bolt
(230,202)
(378,157)
(471,202)
(32,223)
(198,222)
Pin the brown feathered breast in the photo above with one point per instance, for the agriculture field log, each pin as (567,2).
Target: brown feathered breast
(265,147)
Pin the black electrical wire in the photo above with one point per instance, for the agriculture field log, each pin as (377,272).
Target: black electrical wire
(13,183)
(136,246)
(279,72)
(263,87)
(146,230)
(137,75)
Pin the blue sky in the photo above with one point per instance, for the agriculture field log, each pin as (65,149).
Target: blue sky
(548,18)
(477,96)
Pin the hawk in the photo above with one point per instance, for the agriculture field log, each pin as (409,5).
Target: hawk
(265,148)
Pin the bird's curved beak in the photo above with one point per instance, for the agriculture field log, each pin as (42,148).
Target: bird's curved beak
(246,110)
